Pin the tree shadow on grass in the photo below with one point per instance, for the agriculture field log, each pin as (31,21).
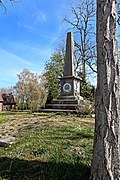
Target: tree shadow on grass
(17,169)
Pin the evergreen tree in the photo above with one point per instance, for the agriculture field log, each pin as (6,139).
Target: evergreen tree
(53,71)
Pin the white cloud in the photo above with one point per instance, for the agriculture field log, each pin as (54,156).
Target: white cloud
(33,22)
(31,17)
(26,26)
(11,58)
(41,18)
(11,65)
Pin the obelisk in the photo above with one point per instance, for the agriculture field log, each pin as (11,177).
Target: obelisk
(70,83)
(69,98)
(70,63)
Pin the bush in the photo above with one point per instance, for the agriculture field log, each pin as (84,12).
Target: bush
(88,91)
(86,107)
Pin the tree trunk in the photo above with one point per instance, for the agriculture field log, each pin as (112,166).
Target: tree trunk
(106,152)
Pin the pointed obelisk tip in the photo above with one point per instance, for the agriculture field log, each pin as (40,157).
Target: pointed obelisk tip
(70,63)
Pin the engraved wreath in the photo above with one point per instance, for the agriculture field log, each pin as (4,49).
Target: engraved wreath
(67,87)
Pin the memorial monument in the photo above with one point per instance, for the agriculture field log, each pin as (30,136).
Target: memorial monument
(69,97)
(70,84)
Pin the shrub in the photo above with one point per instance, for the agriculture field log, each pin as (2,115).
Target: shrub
(86,107)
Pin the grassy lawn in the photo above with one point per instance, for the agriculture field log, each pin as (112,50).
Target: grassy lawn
(48,147)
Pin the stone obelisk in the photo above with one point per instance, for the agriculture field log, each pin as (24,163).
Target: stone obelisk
(70,63)
(69,97)
(70,83)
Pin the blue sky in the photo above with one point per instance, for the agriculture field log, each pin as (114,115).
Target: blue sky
(29,33)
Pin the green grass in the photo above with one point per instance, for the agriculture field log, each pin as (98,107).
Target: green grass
(2,117)
(59,148)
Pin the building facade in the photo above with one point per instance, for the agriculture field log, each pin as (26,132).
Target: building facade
(7,102)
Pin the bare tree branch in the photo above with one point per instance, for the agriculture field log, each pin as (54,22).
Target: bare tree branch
(82,17)
(3,6)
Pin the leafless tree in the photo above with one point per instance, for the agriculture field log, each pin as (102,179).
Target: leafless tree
(82,21)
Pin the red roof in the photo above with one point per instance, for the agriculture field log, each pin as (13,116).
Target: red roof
(8,99)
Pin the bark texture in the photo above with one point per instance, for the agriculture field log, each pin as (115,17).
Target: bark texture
(106,152)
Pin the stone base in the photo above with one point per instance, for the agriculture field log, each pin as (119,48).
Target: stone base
(57,110)
(65,103)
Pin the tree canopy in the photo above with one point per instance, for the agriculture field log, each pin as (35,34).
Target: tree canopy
(31,90)
(53,71)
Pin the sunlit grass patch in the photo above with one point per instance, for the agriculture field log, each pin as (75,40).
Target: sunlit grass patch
(3,117)
(55,149)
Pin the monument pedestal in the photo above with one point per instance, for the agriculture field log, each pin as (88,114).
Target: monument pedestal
(69,98)
(70,86)
(63,104)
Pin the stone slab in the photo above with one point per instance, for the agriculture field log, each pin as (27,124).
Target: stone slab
(7,140)
(58,110)
(64,101)
(62,106)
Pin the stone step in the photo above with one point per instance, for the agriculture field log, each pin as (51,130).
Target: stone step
(66,97)
(62,106)
(58,110)
(65,101)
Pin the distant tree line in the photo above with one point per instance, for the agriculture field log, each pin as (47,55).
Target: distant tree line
(30,92)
